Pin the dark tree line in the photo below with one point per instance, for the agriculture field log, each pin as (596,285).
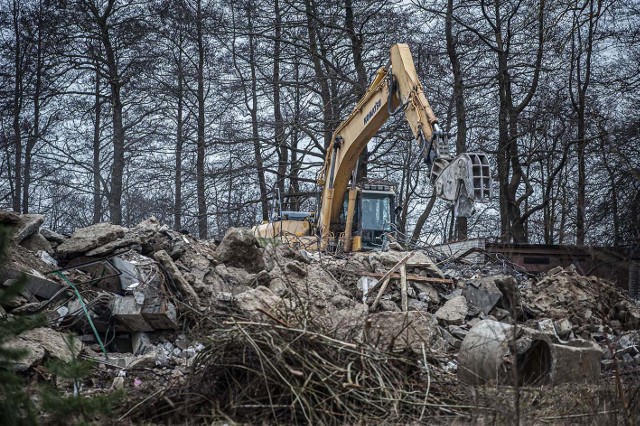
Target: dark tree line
(205,113)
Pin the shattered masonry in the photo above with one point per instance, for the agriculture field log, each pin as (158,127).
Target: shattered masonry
(141,285)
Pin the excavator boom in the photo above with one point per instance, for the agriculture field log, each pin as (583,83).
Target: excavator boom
(396,85)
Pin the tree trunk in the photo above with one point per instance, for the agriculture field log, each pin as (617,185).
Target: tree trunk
(117,168)
(579,100)
(177,205)
(17,107)
(262,183)
(294,170)
(458,96)
(115,86)
(361,73)
(510,174)
(281,143)
(35,131)
(200,155)
(321,77)
(97,187)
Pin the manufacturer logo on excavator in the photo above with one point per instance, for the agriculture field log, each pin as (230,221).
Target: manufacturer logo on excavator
(373,111)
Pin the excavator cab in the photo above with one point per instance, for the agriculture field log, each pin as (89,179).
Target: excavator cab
(374,215)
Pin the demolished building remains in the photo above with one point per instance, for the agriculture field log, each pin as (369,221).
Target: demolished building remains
(146,299)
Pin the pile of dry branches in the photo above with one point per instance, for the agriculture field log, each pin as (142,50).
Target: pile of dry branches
(270,371)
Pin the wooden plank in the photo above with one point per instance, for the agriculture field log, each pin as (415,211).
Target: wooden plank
(389,272)
(383,288)
(411,277)
(386,279)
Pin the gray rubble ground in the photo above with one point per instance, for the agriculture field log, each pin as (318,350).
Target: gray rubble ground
(172,275)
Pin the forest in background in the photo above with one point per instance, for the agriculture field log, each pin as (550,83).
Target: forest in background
(199,112)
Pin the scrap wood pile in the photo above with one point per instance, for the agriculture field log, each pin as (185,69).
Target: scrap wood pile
(246,333)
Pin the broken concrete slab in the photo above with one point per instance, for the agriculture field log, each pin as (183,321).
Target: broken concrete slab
(546,326)
(454,311)
(418,305)
(41,342)
(52,236)
(453,341)
(346,323)
(178,279)
(121,243)
(128,313)
(36,242)
(577,361)
(36,283)
(258,299)
(141,343)
(159,313)
(508,287)
(398,331)
(381,261)
(240,248)
(429,290)
(233,275)
(86,239)
(458,332)
(563,328)
(389,305)
(483,293)
(26,226)
(8,217)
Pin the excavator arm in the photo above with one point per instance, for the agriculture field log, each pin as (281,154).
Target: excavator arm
(462,180)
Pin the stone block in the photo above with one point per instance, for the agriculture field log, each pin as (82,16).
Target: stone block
(454,311)
(129,313)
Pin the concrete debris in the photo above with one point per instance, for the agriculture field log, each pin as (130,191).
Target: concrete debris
(27,225)
(584,301)
(483,293)
(398,331)
(8,217)
(494,352)
(53,237)
(177,277)
(240,248)
(454,311)
(125,242)
(428,291)
(36,242)
(259,299)
(86,239)
(43,342)
(144,283)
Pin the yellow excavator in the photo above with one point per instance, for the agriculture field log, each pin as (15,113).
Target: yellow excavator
(356,216)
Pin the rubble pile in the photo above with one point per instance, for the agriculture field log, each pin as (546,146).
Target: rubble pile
(585,302)
(159,309)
